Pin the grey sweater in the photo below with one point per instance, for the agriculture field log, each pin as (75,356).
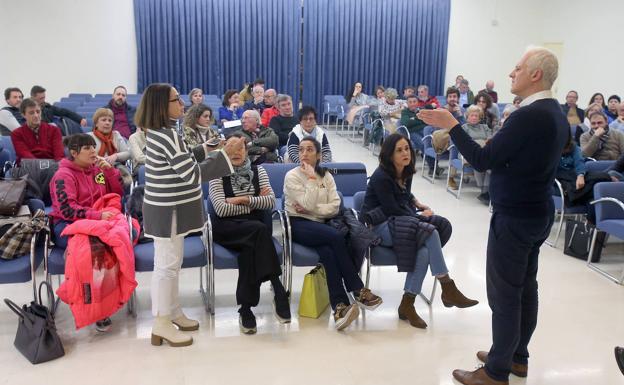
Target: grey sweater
(477,131)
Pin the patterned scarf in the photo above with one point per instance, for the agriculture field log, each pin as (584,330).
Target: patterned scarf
(241,179)
(603,139)
(108,146)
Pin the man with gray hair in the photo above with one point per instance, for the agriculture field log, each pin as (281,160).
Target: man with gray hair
(523,171)
(466,97)
(283,123)
(257,103)
(270,110)
(425,100)
(261,141)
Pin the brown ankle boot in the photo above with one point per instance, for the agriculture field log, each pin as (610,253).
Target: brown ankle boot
(407,312)
(451,296)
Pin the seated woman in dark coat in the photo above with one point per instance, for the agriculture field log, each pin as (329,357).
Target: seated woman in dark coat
(240,201)
(388,191)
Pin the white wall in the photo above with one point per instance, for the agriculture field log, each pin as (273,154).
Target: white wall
(481,51)
(68,46)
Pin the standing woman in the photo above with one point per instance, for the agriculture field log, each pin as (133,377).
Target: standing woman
(173,205)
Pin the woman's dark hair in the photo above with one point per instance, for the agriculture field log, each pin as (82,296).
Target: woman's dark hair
(387,152)
(193,114)
(153,111)
(594,97)
(486,96)
(226,97)
(317,167)
(306,110)
(349,94)
(382,88)
(76,142)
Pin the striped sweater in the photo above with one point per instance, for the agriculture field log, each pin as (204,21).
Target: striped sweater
(224,209)
(295,137)
(173,183)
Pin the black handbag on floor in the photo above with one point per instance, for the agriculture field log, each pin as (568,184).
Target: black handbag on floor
(578,237)
(36,336)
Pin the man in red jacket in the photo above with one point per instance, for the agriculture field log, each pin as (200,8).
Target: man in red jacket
(36,139)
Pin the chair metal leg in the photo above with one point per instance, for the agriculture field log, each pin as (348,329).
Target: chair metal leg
(559,226)
(132,304)
(429,300)
(591,265)
(368,267)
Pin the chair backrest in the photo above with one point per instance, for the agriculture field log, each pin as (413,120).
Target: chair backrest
(72,106)
(350,177)
(79,96)
(403,131)
(276,173)
(358,200)
(609,210)
(599,165)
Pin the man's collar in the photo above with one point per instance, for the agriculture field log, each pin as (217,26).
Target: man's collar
(546,94)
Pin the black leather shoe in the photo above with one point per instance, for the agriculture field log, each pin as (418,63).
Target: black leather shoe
(619,357)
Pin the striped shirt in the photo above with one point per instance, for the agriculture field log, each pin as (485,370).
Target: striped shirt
(224,209)
(295,137)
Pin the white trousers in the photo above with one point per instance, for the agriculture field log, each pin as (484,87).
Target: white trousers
(168,255)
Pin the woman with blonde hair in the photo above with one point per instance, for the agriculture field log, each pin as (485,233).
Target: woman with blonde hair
(109,144)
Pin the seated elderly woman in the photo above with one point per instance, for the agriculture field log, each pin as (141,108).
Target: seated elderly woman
(600,142)
(82,178)
(480,133)
(231,108)
(311,199)
(405,224)
(261,141)
(390,109)
(109,144)
(307,127)
(257,103)
(241,202)
(196,96)
(197,125)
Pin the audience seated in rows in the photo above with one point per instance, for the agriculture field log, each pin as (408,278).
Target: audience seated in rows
(242,201)
(10,115)
(196,126)
(612,107)
(270,110)
(600,142)
(307,127)
(409,226)
(82,178)
(123,119)
(415,126)
(48,111)
(257,103)
(425,100)
(230,107)
(36,139)
(489,89)
(283,123)
(261,141)
(573,112)
(311,199)
(452,104)
(618,124)
(109,144)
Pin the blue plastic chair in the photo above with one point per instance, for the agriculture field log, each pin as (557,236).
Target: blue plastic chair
(456,161)
(384,256)
(80,96)
(350,177)
(72,106)
(430,152)
(609,198)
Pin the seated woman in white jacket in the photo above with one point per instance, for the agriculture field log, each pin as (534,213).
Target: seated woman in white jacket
(307,128)
(311,199)
(109,144)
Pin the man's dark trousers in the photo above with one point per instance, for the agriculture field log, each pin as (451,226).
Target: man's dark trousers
(512,261)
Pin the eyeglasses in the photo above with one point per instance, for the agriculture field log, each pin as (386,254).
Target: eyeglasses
(177,99)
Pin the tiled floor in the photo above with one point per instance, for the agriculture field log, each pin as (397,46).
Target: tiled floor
(581,319)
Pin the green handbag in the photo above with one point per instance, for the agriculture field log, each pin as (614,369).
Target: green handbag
(314,294)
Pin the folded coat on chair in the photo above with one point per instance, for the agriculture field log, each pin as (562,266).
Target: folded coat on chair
(99,265)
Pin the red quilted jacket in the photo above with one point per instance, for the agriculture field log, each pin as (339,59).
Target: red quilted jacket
(99,265)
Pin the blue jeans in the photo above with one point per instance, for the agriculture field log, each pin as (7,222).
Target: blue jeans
(430,255)
(331,246)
